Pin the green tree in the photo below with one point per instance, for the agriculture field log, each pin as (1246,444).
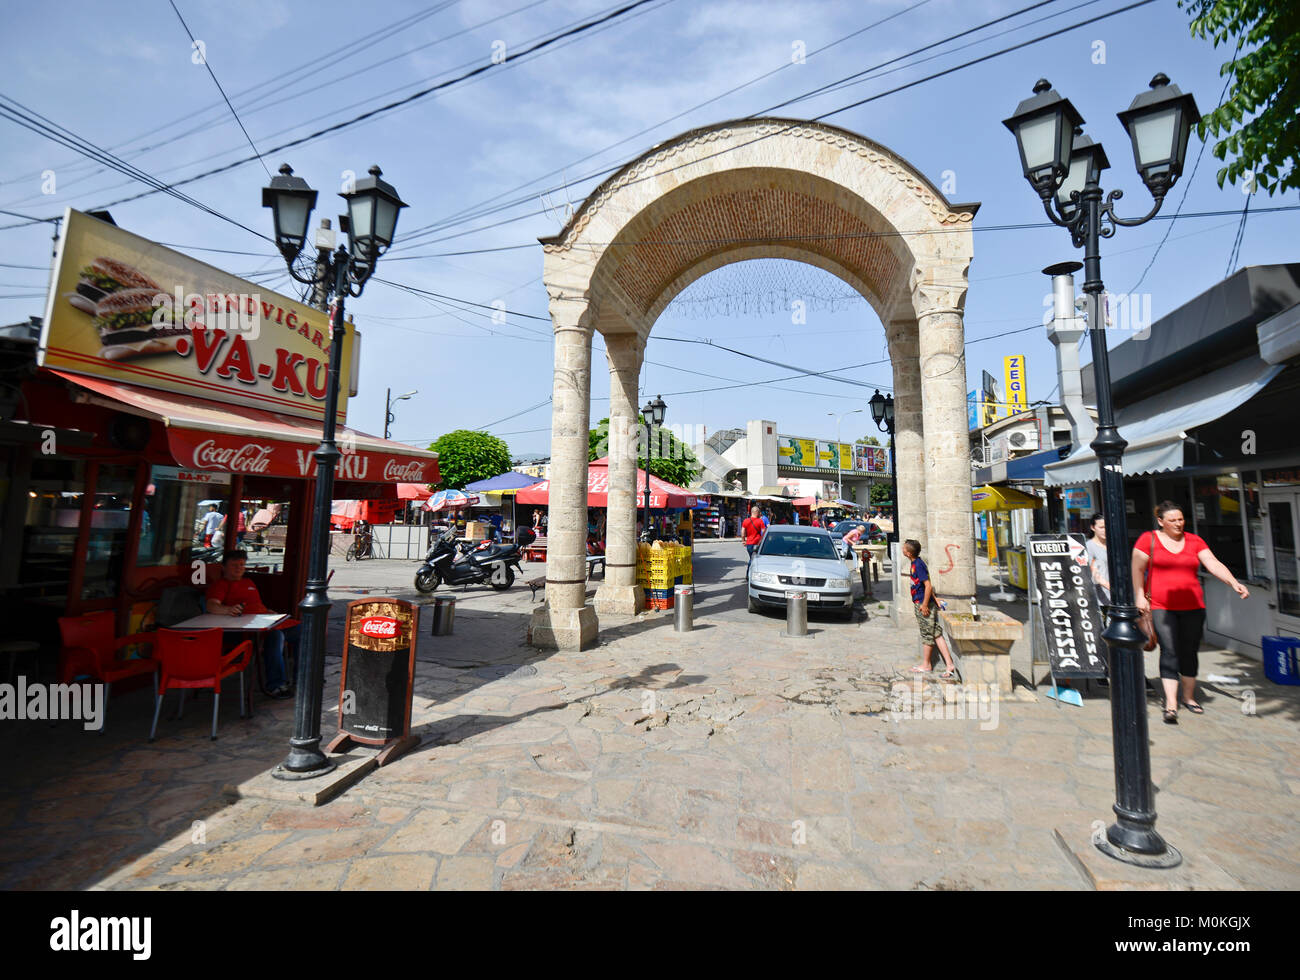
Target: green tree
(673,459)
(870,441)
(881,493)
(465,456)
(1258,121)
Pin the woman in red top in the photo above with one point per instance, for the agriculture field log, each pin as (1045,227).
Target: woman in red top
(1166,562)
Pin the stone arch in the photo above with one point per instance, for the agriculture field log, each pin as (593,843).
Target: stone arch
(755,188)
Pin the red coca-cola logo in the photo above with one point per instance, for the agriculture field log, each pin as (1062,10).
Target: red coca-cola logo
(379,627)
(248,458)
(394,472)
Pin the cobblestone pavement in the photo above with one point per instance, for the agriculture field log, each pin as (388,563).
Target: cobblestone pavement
(728,757)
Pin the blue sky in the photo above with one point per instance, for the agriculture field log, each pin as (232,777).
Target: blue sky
(128,82)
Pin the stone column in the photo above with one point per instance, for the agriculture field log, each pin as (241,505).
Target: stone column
(619,594)
(909,429)
(564,621)
(937,297)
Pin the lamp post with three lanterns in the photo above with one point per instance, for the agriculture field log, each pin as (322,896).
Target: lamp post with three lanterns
(1064,167)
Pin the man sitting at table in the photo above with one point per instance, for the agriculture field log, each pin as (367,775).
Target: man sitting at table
(235,595)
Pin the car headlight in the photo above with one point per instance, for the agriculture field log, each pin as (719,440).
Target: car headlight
(763,578)
(837,583)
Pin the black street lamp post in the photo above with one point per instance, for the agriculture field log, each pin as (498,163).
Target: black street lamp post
(653,413)
(1065,168)
(882,412)
(373,207)
(389,402)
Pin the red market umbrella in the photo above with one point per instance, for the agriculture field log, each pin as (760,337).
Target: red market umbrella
(662,493)
(413,491)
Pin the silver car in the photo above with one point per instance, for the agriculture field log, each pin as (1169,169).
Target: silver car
(794,557)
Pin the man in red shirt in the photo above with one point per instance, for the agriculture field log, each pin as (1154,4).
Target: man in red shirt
(752,527)
(235,595)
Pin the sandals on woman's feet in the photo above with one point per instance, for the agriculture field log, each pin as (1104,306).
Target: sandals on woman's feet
(1171,716)
(1193,707)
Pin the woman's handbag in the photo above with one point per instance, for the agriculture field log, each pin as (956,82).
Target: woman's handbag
(1145,622)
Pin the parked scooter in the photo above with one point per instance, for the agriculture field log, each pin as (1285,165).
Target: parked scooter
(491,564)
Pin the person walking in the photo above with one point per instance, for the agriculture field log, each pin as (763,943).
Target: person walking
(211,521)
(1097,558)
(1166,561)
(752,528)
(926,605)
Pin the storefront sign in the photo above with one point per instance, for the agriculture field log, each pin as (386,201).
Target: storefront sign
(233,453)
(127,309)
(989,408)
(378,670)
(1078,498)
(1067,603)
(189,476)
(1013,369)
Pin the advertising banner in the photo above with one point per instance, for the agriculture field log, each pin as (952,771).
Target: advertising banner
(972,410)
(989,410)
(870,459)
(1067,603)
(378,670)
(796,452)
(130,310)
(1013,369)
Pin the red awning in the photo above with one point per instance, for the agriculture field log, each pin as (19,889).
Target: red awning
(662,493)
(207,435)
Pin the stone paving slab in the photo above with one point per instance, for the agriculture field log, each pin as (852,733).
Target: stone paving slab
(720,758)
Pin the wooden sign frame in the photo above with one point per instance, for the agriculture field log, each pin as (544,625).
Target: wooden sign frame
(358,612)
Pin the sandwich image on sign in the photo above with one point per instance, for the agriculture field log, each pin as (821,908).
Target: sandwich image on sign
(132,313)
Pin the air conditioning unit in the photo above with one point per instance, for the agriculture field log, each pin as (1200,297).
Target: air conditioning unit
(1023,439)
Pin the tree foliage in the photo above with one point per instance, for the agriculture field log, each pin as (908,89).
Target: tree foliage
(465,456)
(1258,122)
(870,441)
(673,460)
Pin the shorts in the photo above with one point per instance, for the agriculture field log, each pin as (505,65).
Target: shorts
(928,625)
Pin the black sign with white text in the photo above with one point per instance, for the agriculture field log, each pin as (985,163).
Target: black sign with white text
(1068,603)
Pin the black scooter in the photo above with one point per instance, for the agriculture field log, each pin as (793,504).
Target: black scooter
(494,565)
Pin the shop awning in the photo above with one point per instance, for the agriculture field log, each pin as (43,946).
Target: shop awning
(1003,498)
(208,435)
(662,493)
(1155,427)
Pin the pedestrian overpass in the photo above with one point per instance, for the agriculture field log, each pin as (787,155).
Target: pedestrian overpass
(758,455)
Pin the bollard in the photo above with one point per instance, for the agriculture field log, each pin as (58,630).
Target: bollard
(796,615)
(444,615)
(684,608)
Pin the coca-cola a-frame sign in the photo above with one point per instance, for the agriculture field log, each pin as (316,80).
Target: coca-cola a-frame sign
(130,310)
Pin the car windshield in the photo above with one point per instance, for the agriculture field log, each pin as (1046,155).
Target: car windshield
(796,545)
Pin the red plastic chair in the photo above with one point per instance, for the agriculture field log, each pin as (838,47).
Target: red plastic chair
(90,647)
(193,659)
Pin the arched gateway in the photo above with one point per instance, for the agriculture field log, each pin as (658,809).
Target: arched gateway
(754,188)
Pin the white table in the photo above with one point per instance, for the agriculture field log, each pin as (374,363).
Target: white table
(252,623)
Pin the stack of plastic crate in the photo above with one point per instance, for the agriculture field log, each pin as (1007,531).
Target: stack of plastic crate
(655,574)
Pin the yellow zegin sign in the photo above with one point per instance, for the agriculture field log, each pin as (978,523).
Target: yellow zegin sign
(1017,384)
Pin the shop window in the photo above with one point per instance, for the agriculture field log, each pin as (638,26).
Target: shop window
(110,519)
(266,531)
(50,527)
(1218,519)
(174,503)
(1261,565)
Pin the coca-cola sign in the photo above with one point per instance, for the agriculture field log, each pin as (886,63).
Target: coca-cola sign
(410,472)
(379,627)
(251,457)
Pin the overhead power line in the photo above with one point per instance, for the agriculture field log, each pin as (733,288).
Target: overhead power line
(203,56)
(398,103)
